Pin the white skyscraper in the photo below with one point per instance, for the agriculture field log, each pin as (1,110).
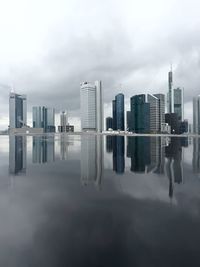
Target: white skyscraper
(91,106)
(196,115)
(154,113)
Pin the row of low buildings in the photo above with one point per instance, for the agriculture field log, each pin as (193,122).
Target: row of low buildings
(43,117)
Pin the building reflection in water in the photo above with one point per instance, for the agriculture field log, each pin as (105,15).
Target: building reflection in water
(43,149)
(118,154)
(174,168)
(91,159)
(109,144)
(196,155)
(17,154)
(138,149)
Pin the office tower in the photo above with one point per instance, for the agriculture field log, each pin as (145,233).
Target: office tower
(17,154)
(170,95)
(172,120)
(91,106)
(178,103)
(91,160)
(17,110)
(140,114)
(63,121)
(119,112)
(196,115)
(44,117)
(161,100)
(114,114)
(154,113)
(118,154)
(128,120)
(109,123)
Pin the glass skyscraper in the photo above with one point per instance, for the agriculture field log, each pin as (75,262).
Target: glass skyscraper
(44,117)
(140,114)
(118,112)
(17,110)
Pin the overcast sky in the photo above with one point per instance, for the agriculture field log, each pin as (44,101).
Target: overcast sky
(47,47)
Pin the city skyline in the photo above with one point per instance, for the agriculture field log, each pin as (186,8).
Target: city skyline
(46,58)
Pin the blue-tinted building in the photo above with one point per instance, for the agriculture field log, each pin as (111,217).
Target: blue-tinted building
(17,110)
(109,123)
(114,114)
(140,114)
(44,117)
(118,112)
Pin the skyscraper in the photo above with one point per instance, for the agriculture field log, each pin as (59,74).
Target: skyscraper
(114,114)
(44,117)
(175,98)
(17,110)
(196,115)
(178,103)
(140,114)
(118,112)
(91,106)
(170,95)
(154,113)
(161,99)
(109,123)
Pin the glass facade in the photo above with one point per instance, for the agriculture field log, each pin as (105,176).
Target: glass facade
(119,112)
(140,114)
(17,110)
(44,117)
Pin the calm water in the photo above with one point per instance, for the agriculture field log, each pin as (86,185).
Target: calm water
(87,201)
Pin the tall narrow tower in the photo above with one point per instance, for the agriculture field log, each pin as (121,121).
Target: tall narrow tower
(170,93)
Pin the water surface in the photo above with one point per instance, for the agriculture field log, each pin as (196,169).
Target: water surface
(93,201)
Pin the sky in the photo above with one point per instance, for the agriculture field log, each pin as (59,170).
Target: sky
(48,47)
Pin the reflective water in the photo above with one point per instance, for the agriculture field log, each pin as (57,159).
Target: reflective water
(92,201)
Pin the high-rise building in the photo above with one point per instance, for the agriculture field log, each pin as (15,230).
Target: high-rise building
(140,114)
(17,110)
(154,113)
(172,120)
(161,99)
(178,103)
(196,115)
(63,121)
(170,95)
(114,114)
(119,112)
(175,99)
(109,123)
(91,106)
(44,117)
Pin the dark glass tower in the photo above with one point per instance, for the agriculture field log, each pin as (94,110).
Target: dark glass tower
(109,123)
(119,100)
(140,114)
(114,114)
